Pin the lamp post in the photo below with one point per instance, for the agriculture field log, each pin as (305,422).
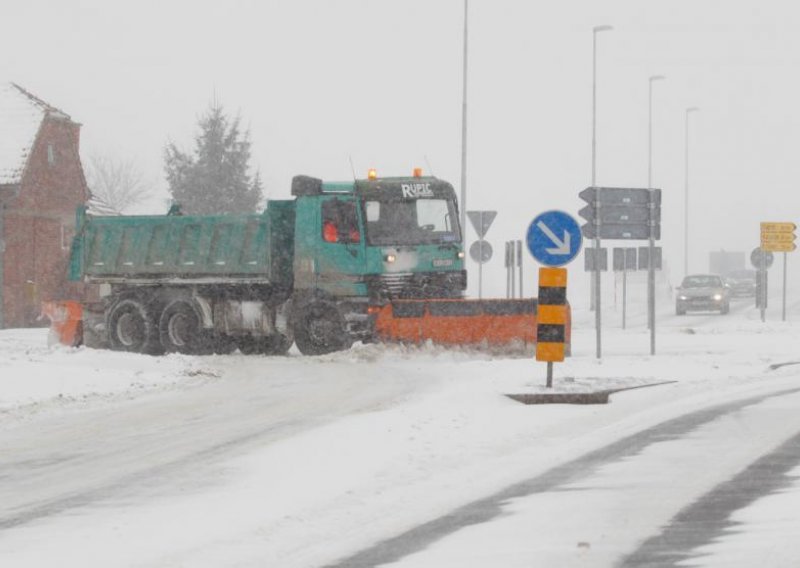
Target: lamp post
(595,30)
(651,272)
(686,195)
(651,80)
(595,296)
(463,216)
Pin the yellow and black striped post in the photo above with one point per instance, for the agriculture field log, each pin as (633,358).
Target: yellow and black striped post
(551,319)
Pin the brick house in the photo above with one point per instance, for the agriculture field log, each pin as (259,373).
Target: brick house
(41,184)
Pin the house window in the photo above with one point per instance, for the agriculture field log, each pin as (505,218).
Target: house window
(51,154)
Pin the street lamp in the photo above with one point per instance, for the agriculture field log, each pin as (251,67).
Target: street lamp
(650,130)
(596,288)
(463,218)
(595,30)
(686,196)
(651,279)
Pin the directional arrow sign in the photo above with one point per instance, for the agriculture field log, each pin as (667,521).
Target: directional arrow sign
(554,238)
(778,227)
(779,247)
(481,221)
(620,195)
(778,237)
(616,231)
(621,213)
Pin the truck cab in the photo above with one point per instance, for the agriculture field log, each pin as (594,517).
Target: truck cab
(362,243)
(378,239)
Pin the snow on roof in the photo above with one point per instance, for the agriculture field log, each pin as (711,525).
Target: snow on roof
(21,114)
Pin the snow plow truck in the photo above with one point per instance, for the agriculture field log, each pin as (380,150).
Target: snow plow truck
(378,259)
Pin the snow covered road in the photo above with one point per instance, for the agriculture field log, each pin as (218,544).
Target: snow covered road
(389,455)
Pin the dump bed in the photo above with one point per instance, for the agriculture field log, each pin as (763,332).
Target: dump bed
(224,248)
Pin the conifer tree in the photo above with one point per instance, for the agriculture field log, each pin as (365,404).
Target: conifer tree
(215,178)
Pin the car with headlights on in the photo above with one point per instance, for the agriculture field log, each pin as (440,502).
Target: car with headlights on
(702,292)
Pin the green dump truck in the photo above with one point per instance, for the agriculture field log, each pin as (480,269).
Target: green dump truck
(307,270)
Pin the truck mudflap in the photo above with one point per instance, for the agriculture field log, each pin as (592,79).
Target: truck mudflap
(66,322)
(493,324)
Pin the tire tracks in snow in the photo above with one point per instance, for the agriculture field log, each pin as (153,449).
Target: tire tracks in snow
(490,508)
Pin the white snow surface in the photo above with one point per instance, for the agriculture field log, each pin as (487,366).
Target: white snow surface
(20,118)
(372,442)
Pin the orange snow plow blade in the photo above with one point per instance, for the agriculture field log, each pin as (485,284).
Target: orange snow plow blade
(504,324)
(66,326)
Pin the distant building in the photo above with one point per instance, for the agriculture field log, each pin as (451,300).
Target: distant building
(41,184)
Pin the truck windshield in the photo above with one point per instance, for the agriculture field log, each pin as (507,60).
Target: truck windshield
(411,221)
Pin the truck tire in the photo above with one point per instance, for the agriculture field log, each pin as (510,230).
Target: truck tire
(132,327)
(320,329)
(249,345)
(278,344)
(180,330)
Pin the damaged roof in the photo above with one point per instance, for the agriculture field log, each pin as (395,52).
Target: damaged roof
(21,115)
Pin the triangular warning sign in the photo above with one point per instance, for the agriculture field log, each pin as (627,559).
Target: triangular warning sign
(481,221)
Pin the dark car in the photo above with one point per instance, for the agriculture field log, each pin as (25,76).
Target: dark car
(702,292)
(742,283)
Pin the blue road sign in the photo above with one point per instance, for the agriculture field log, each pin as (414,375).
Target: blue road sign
(554,238)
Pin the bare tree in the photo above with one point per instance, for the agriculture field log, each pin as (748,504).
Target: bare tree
(115,184)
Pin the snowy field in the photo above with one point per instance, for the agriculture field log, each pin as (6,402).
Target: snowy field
(130,460)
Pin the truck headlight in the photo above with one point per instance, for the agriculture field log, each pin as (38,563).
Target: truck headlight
(390,258)
(717,297)
(460,254)
(683,297)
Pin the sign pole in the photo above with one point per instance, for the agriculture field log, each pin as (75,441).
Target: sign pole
(549,374)
(480,264)
(597,302)
(651,279)
(480,274)
(624,293)
(763,270)
(512,263)
(519,265)
(783,311)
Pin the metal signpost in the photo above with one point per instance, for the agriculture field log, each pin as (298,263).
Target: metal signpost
(508,269)
(624,260)
(554,239)
(519,265)
(481,221)
(778,237)
(761,260)
(628,214)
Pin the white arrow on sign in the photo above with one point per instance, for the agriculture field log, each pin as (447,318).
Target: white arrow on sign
(562,247)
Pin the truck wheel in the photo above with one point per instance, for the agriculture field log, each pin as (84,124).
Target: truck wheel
(277,344)
(249,345)
(132,327)
(319,329)
(180,330)
(222,344)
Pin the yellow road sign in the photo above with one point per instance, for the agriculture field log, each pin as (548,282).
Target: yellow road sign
(767,227)
(777,237)
(552,315)
(778,247)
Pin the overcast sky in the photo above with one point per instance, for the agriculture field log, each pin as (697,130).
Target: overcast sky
(322,82)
